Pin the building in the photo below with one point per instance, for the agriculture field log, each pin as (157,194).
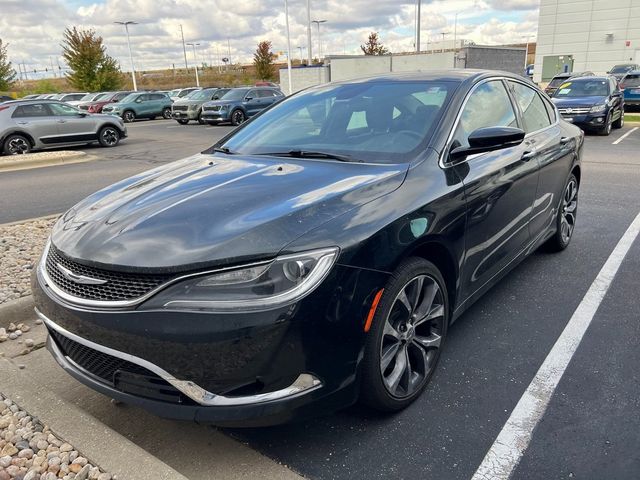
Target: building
(578,35)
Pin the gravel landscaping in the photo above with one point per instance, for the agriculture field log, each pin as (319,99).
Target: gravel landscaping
(30,451)
(20,248)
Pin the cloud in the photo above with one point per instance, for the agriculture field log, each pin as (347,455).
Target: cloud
(34,28)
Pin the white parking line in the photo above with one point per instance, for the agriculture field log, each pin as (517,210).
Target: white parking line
(514,438)
(625,136)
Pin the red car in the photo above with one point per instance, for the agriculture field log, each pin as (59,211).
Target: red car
(96,106)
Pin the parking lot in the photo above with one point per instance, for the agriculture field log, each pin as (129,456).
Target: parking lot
(494,350)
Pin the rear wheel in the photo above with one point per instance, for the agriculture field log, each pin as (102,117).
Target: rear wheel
(566,218)
(620,122)
(16,145)
(182,121)
(166,113)
(237,117)
(109,136)
(128,116)
(404,343)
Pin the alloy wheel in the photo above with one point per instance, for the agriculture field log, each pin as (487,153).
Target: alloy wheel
(18,146)
(110,137)
(569,207)
(412,336)
(129,117)
(238,117)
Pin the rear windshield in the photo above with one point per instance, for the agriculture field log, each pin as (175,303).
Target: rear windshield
(621,68)
(583,88)
(381,122)
(631,81)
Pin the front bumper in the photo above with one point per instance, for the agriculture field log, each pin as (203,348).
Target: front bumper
(235,369)
(185,115)
(589,121)
(215,116)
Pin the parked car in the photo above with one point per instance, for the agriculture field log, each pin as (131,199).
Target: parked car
(238,104)
(630,83)
(592,103)
(190,107)
(5,98)
(29,97)
(314,256)
(27,125)
(563,77)
(621,70)
(179,93)
(87,98)
(96,106)
(68,97)
(140,105)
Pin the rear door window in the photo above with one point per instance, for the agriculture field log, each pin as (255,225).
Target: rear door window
(534,113)
(34,110)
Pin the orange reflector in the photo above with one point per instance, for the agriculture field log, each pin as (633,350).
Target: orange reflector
(372,310)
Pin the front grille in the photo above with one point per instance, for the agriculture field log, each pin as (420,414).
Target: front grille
(574,111)
(118,373)
(119,286)
(215,108)
(180,108)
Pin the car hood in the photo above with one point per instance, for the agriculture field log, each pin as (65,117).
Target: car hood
(579,101)
(211,210)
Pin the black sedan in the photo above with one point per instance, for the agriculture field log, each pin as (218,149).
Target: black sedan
(316,255)
(595,104)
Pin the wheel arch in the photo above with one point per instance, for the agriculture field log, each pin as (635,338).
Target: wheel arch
(577,172)
(109,124)
(28,136)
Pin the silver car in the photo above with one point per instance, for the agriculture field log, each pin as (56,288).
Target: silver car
(190,107)
(27,125)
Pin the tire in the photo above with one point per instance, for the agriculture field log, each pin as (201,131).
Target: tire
(109,136)
(128,116)
(237,117)
(399,339)
(620,122)
(166,113)
(16,145)
(200,119)
(182,122)
(606,130)
(566,217)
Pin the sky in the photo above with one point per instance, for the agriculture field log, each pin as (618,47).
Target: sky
(33,28)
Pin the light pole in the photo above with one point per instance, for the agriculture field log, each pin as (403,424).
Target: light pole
(443,34)
(133,71)
(318,22)
(526,51)
(301,57)
(310,57)
(418,26)
(195,61)
(455,39)
(184,49)
(286,20)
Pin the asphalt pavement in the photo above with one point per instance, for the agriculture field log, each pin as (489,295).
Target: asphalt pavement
(589,430)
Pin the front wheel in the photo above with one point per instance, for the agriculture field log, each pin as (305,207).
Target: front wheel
(128,116)
(182,121)
(16,145)
(237,117)
(403,346)
(606,130)
(620,122)
(200,119)
(109,137)
(566,217)
(166,113)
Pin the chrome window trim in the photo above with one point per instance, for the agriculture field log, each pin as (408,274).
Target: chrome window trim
(123,303)
(304,383)
(441,160)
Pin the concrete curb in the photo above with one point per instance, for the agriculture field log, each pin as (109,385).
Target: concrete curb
(42,159)
(16,311)
(99,443)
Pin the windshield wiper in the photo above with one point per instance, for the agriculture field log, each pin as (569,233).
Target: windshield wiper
(223,150)
(312,154)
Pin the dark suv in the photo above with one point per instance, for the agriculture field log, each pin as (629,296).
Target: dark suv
(621,70)
(563,77)
(238,104)
(591,103)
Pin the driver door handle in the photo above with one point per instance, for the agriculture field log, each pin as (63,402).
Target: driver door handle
(528,155)
(564,140)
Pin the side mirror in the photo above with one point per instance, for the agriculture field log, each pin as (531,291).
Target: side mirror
(248,99)
(215,97)
(138,100)
(82,114)
(488,139)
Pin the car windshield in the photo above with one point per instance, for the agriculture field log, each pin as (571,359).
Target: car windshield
(130,98)
(235,94)
(557,81)
(186,93)
(91,96)
(202,94)
(631,81)
(382,122)
(583,88)
(621,68)
(174,93)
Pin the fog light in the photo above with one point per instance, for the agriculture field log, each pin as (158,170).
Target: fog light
(599,120)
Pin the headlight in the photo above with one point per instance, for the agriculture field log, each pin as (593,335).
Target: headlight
(257,287)
(223,107)
(598,108)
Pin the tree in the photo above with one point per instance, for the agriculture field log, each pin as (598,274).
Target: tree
(374,45)
(7,73)
(91,68)
(263,60)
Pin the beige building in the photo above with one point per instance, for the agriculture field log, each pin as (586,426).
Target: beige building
(578,35)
